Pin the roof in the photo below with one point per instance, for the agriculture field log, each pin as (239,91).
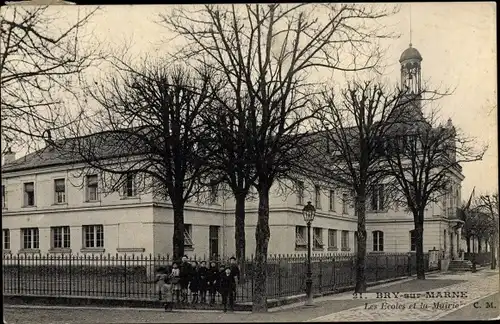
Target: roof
(410,53)
(107,144)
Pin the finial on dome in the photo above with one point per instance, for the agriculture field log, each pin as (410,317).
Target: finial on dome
(411,44)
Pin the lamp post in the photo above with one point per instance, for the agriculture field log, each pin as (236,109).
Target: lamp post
(309,212)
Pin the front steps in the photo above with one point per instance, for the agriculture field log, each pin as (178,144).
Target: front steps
(460,265)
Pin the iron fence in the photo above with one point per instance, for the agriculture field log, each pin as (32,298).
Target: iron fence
(482,258)
(132,276)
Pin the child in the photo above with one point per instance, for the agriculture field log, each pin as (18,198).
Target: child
(175,280)
(160,280)
(202,274)
(212,281)
(167,295)
(227,284)
(194,285)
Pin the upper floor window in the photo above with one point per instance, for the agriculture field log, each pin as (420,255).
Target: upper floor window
(413,240)
(4,197)
(318,238)
(344,203)
(378,241)
(300,192)
(93,236)
(300,237)
(188,238)
(30,238)
(60,191)
(378,199)
(332,200)
(6,239)
(60,237)
(29,194)
(214,193)
(130,185)
(92,191)
(317,197)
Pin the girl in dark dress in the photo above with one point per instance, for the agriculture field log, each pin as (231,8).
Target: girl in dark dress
(203,277)
(194,285)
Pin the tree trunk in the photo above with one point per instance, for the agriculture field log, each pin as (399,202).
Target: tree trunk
(360,206)
(239,233)
(178,238)
(419,235)
(479,245)
(468,244)
(493,253)
(261,244)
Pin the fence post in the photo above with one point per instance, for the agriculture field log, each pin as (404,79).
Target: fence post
(18,275)
(409,264)
(70,275)
(334,274)
(125,274)
(320,276)
(279,276)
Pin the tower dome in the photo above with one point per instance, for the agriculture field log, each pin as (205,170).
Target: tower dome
(410,53)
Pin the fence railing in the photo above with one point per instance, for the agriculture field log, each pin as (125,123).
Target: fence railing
(482,258)
(132,276)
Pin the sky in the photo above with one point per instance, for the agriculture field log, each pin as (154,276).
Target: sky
(456,40)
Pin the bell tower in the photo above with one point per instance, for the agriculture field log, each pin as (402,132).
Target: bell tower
(411,71)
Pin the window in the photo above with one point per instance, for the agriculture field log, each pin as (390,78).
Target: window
(188,239)
(60,237)
(318,238)
(445,238)
(300,237)
(332,200)
(378,241)
(413,240)
(93,236)
(60,191)
(6,239)
(29,194)
(30,238)
(92,188)
(345,240)
(332,239)
(344,203)
(356,240)
(300,192)
(214,194)
(129,187)
(317,197)
(4,197)
(377,201)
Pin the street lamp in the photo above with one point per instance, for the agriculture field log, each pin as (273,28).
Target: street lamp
(309,212)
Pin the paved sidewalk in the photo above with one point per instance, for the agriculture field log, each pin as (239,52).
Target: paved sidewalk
(478,285)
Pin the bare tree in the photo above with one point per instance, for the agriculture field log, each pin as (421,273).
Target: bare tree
(265,52)
(40,64)
(231,157)
(348,154)
(424,159)
(149,124)
(489,205)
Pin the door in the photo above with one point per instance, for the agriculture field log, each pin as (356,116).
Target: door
(213,245)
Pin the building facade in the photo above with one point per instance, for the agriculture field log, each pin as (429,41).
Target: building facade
(50,207)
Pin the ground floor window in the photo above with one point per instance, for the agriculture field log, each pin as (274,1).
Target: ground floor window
(93,236)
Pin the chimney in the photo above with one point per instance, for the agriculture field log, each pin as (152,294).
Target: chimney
(9,156)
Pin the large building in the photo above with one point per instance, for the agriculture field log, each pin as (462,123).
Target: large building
(48,206)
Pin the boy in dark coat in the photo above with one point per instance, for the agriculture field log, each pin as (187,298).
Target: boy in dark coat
(212,280)
(194,285)
(226,289)
(185,278)
(203,278)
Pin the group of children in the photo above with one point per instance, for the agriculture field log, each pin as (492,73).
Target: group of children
(172,284)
